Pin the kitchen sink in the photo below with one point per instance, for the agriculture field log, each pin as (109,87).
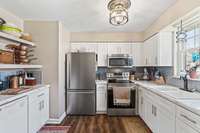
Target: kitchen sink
(182,95)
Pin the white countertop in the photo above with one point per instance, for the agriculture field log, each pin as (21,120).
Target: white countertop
(8,98)
(101,81)
(187,100)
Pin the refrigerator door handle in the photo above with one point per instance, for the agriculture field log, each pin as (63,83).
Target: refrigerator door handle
(68,70)
(81,92)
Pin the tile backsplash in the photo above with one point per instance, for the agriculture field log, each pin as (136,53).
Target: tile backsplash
(166,71)
(4,76)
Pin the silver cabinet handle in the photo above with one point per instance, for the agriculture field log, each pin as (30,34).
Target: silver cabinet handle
(155,111)
(146,61)
(39,105)
(141,100)
(152,109)
(186,117)
(40,95)
(156,60)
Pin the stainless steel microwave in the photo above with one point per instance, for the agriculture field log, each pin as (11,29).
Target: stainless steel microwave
(120,61)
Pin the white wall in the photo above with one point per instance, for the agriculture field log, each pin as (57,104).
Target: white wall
(179,9)
(51,39)
(64,47)
(106,37)
(45,35)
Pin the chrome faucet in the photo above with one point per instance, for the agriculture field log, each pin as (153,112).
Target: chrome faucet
(185,80)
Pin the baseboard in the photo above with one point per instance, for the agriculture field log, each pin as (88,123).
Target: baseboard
(58,120)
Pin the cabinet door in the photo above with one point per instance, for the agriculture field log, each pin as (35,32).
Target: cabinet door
(102,54)
(101,101)
(84,47)
(119,48)
(141,102)
(153,51)
(146,53)
(137,53)
(181,127)
(165,48)
(34,112)
(150,51)
(101,95)
(14,117)
(91,47)
(125,48)
(166,113)
(151,117)
(44,115)
(113,49)
(75,47)
(166,123)
(38,109)
(148,111)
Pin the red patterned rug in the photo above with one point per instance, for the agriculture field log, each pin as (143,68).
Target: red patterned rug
(54,129)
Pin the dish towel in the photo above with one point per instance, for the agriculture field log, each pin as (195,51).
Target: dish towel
(121,95)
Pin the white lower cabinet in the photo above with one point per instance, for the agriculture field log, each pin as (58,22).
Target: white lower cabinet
(101,98)
(27,114)
(38,109)
(141,102)
(165,116)
(150,112)
(159,114)
(14,116)
(186,121)
(181,127)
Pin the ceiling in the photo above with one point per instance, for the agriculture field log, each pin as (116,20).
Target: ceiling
(88,15)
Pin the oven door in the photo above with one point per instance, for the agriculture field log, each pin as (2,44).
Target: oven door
(120,62)
(133,95)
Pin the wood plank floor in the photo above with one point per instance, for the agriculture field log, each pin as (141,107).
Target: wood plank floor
(105,124)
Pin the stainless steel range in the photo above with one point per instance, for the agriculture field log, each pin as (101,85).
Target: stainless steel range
(122,94)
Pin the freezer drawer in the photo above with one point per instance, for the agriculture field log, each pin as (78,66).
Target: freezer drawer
(81,103)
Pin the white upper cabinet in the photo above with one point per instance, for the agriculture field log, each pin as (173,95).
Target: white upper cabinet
(102,54)
(165,48)
(119,48)
(158,50)
(84,47)
(137,54)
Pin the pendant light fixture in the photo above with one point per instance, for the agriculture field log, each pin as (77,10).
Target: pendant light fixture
(181,34)
(119,11)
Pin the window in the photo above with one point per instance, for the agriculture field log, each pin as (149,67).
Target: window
(188,52)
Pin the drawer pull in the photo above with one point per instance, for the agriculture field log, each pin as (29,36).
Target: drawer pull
(194,122)
(41,95)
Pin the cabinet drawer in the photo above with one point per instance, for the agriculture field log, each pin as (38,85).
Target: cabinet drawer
(37,94)
(188,117)
(101,87)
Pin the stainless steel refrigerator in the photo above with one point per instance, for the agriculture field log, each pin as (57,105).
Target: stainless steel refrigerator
(80,80)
